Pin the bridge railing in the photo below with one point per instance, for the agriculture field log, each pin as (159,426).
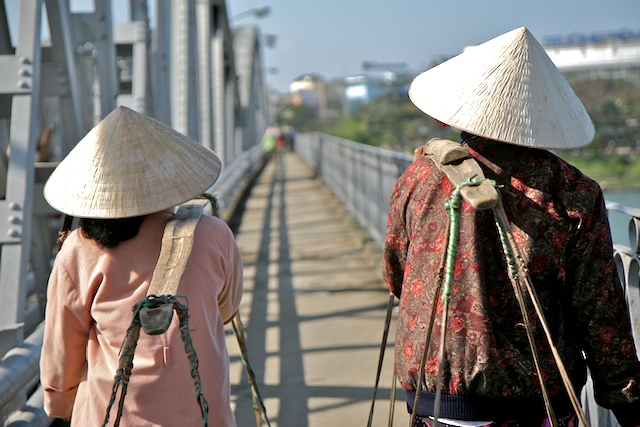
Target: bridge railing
(628,264)
(362,178)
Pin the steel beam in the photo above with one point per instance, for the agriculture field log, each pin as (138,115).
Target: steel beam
(16,209)
(219,66)
(184,104)
(105,52)
(160,62)
(63,53)
(132,50)
(204,37)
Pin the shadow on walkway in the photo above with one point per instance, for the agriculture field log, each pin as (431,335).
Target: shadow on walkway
(313,308)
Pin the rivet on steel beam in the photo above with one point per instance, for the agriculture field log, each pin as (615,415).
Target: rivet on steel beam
(15,206)
(24,71)
(24,60)
(23,84)
(140,31)
(12,232)
(13,219)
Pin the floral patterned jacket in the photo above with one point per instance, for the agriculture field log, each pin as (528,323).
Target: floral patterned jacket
(560,223)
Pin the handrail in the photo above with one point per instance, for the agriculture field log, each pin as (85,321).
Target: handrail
(19,366)
(235,177)
(361,176)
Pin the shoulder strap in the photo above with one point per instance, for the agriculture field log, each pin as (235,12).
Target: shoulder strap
(458,164)
(177,242)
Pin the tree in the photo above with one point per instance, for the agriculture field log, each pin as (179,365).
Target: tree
(614,107)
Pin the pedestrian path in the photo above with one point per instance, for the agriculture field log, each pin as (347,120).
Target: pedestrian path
(313,309)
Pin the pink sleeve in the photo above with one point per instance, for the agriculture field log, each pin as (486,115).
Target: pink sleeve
(63,360)
(230,296)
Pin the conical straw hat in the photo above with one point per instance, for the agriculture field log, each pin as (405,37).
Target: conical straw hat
(506,89)
(130,165)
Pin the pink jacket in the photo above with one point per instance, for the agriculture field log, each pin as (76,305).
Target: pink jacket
(91,294)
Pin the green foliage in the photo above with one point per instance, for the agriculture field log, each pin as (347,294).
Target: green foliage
(351,128)
(388,121)
(612,172)
(301,117)
(614,107)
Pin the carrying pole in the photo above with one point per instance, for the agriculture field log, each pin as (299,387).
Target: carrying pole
(258,405)
(383,346)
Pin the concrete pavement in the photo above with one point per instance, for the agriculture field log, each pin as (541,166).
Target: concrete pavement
(313,309)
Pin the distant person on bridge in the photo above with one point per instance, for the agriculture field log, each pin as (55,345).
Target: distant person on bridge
(122,181)
(269,140)
(511,104)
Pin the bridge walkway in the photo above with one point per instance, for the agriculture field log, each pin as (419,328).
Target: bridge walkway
(314,306)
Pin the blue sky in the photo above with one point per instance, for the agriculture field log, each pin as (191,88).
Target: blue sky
(334,37)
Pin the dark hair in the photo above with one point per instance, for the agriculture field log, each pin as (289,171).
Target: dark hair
(109,233)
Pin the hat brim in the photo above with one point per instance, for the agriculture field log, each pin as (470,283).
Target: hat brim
(506,89)
(130,165)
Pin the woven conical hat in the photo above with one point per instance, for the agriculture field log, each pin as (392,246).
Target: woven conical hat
(506,89)
(130,165)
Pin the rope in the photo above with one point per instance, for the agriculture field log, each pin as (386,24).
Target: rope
(238,330)
(514,277)
(258,405)
(130,342)
(213,201)
(453,208)
(503,222)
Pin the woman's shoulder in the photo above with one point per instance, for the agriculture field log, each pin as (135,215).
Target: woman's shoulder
(213,226)
(74,242)
(214,222)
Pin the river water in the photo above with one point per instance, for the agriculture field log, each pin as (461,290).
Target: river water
(619,221)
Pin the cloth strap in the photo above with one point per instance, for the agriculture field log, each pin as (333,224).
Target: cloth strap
(456,162)
(177,242)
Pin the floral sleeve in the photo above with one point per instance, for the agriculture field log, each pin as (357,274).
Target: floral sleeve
(603,319)
(396,241)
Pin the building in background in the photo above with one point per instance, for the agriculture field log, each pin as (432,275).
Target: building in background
(614,54)
(378,79)
(309,90)
(321,98)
